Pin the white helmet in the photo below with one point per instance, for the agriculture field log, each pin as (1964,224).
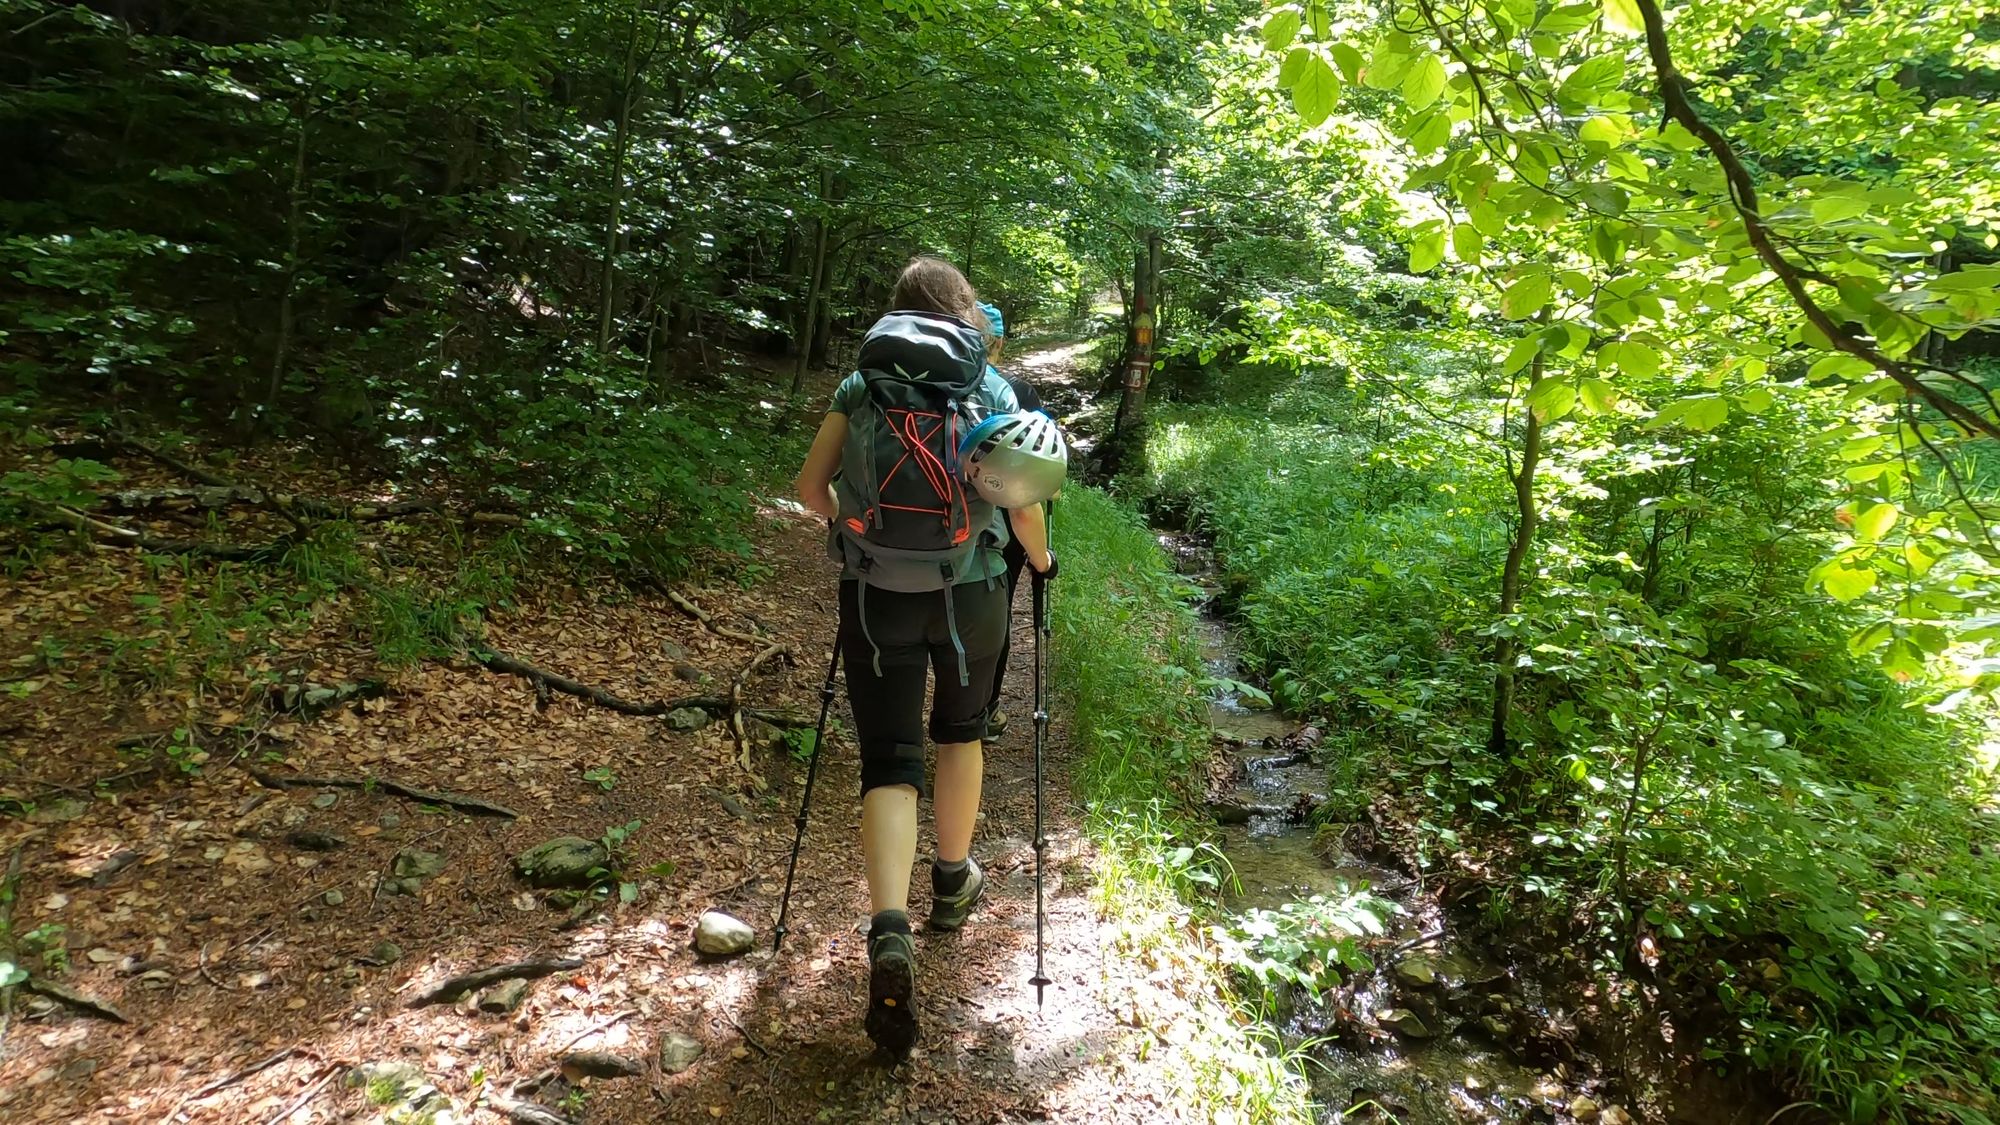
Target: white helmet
(1015,460)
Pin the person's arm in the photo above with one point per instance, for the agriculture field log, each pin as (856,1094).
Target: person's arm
(815,481)
(1031,530)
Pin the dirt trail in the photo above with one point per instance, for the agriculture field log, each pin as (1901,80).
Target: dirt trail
(262,943)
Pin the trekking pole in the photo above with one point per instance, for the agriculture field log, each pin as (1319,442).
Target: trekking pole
(812,773)
(1041,599)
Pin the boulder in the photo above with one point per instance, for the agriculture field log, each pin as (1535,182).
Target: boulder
(505,997)
(687,718)
(1583,1108)
(413,864)
(566,861)
(1416,972)
(1406,1022)
(678,1052)
(723,935)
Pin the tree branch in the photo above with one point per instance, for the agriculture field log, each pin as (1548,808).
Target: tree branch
(1743,197)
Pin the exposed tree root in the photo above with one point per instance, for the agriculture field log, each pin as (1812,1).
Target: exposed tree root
(70,998)
(713,704)
(458,986)
(460,801)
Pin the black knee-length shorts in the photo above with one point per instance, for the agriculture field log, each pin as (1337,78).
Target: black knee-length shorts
(913,636)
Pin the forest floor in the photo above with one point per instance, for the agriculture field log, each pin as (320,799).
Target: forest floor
(264,946)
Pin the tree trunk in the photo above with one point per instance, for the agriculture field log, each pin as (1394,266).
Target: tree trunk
(809,316)
(281,353)
(1128,429)
(1505,650)
(621,140)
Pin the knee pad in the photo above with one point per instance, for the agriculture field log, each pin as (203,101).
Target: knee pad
(896,763)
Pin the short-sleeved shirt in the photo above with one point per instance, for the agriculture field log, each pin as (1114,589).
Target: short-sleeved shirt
(1024,391)
(987,561)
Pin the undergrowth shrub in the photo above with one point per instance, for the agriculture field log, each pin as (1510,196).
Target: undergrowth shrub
(1705,773)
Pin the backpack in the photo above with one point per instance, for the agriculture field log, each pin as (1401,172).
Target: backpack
(908,520)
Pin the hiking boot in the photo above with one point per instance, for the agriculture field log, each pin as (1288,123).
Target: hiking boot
(954,896)
(996,723)
(892,991)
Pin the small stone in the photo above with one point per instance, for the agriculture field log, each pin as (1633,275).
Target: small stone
(101,956)
(155,978)
(413,864)
(602,1064)
(326,800)
(672,651)
(309,841)
(1583,1108)
(1416,972)
(390,820)
(678,1052)
(566,861)
(248,858)
(688,673)
(723,935)
(762,733)
(1615,1115)
(1403,1021)
(687,718)
(1498,1027)
(80,1068)
(59,811)
(385,953)
(504,997)
(333,897)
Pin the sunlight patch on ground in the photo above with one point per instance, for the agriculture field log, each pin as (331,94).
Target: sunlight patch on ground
(1069,355)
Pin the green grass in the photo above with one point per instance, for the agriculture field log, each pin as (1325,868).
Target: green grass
(1126,668)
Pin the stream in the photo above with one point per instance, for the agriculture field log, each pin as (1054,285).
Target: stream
(1431,1035)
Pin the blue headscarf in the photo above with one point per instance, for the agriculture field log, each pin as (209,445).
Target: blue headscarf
(994,318)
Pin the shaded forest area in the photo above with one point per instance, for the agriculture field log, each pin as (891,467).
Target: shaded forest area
(1584,412)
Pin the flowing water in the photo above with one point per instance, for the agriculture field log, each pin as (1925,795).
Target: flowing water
(1433,1035)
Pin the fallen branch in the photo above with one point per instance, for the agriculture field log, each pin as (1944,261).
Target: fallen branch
(311,1092)
(192,472)
(232,1079)
(456,987)
(736,726)
(113,535)
(460,801)
(595,1029)
(707,620)
(71,998)
(749,1038)
(524,1113)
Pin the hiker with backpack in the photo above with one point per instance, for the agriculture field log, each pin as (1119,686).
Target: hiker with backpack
(920,548)
(1016,556)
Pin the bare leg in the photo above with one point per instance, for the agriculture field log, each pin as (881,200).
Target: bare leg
(889,843)
(955,799)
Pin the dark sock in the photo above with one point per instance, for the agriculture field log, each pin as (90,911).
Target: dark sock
(949,878)
(889,922)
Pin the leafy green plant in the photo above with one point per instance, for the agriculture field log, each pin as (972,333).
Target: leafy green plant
(1309,946)
(602,777)
(47,941)
(799,743)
